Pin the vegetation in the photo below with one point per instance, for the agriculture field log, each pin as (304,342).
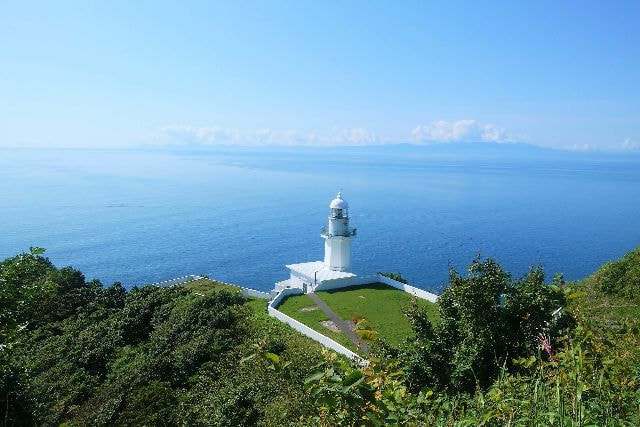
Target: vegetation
(375,307)
(581,369)
(486,321)
(303,309)
(76,352)
(206,286)
(382,306)
(621,277)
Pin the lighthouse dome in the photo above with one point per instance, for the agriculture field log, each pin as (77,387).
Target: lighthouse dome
(339,203)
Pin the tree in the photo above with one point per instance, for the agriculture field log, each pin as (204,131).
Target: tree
(487,320)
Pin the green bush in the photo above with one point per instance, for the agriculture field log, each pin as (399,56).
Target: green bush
(79,353)
(486,320)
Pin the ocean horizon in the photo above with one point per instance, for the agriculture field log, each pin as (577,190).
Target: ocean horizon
(241,214)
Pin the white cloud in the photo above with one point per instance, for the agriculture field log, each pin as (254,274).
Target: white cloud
(357,136)
(629,144)
(439,131)
(187,135)
(460,131)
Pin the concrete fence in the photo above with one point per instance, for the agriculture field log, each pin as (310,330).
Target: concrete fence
(277,298)
(176,281)
(284,294)
(420,293)
(247,292)
(304,329)
(344,282)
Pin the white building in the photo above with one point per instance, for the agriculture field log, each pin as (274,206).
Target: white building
(337,237)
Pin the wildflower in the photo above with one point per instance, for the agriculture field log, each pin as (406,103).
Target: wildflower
(544,343)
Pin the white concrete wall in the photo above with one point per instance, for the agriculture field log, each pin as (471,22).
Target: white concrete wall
(254,293)
(304,329)
(336,284)
(345,282)
(420,293)
(283,294)
(247,292)
(176,281)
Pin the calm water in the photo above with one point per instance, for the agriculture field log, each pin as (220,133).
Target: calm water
(240,216)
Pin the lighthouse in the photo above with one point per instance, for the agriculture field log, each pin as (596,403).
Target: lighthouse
(336,268)
(337,236)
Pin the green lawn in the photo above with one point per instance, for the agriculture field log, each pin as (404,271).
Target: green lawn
(293,307)
(381,305)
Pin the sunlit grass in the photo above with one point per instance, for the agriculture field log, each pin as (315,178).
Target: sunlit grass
(382,306)
(293,307)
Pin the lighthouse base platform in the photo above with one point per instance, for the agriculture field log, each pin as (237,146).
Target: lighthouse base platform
(308,275)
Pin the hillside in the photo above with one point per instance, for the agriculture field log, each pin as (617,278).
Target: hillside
(609,300)
(79,353)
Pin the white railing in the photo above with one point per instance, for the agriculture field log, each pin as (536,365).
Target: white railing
(176,281)
(247,292)
(344,282)
(420,293)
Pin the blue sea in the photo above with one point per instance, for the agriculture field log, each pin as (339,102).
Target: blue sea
(239,215)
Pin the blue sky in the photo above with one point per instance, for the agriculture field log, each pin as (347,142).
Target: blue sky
(100,74)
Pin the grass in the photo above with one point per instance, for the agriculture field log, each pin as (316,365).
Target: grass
(292,307)
(610,315)
(599,306)
(382,306)
(610,296)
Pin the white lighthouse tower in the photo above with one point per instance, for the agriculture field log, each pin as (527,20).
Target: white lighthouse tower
(336,266)
(337,236)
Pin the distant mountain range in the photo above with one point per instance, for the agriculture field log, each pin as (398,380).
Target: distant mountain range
(458,150)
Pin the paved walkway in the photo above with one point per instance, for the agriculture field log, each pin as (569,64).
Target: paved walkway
(341,324)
